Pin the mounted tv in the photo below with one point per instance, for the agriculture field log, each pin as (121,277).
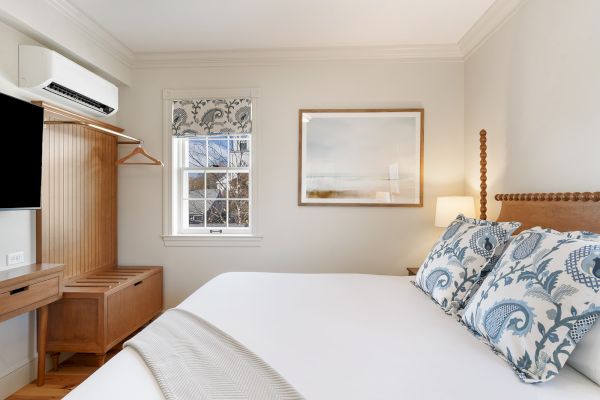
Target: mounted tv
(21,159)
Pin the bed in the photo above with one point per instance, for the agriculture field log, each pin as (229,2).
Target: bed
(354,336)
(343,336)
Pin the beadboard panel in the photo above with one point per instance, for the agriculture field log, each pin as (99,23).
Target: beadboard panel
(78,219)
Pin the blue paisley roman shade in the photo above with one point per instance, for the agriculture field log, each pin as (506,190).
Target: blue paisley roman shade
(539,301)
(202,117)
(454,265)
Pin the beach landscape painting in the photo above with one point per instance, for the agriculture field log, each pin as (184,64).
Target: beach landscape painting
(361,157)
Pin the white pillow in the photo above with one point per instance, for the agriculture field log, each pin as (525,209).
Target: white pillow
(586,356)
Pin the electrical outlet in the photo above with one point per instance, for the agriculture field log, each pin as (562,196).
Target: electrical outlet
(15,258)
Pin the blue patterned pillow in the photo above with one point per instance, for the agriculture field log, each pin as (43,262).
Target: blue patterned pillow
(587,353)
(484,273)
(500,250)
(458,257)
(539,301)
(586,235)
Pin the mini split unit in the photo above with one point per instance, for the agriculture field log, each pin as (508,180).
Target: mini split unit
(49,74)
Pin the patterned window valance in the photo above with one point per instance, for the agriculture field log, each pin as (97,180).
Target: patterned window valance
(200,117)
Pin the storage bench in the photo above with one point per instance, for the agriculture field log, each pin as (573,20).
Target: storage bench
(100,309)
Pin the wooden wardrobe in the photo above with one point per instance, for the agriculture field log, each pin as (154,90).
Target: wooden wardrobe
(102,303)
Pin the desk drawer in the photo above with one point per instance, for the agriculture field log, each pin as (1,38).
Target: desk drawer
(28,294)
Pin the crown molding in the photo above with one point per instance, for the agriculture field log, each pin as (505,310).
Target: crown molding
(498,13)
(413,53)
(489,23)
(94,31)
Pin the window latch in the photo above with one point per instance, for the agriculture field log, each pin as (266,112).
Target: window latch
(216,231)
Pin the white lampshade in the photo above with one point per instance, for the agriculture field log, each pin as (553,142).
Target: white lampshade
(447,208)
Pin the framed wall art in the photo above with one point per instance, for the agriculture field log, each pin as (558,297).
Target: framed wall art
(370,157)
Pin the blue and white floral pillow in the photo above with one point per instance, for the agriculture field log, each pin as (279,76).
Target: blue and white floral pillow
(455,262)
(539,301)
(586,235)
(483,274)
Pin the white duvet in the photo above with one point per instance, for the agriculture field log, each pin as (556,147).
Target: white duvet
(344,336)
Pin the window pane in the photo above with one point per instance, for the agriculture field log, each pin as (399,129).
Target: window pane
(239,155)
(216,185)
(196,213)
(196,185)
(197,153)
(238,185)
(238,213)
(217,152)
(216,213)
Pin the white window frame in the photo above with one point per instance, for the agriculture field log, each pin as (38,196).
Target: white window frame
(173,152)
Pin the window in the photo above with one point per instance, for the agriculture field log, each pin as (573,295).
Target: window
(215,184)
(209,185)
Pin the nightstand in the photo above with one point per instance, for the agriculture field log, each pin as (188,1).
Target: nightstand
(29,288)
(412,271)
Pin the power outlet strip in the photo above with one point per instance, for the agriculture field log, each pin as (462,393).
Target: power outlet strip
(15,258)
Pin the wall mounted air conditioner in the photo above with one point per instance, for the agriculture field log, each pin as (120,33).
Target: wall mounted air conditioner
(53,76)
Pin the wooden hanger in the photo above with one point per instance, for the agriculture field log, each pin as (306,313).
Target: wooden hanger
(139,150)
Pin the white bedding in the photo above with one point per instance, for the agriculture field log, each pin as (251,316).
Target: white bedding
(344,336)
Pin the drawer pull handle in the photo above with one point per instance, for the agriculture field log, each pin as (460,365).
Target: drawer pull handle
(138,283)
(19,290)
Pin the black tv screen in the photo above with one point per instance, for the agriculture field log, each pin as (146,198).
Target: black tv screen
(21,159)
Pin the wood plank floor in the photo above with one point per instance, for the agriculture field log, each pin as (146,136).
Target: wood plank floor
(59,383)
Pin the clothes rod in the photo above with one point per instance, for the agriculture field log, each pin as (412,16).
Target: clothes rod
(78,119)
(128,139)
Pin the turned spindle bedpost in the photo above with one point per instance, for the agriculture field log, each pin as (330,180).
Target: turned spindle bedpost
(483,174)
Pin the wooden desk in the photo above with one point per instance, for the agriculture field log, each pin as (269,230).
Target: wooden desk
(29,288)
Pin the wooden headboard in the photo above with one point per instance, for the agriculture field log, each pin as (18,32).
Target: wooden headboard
(561,211)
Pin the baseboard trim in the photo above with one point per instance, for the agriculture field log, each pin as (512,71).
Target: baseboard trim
(18,378)
(24,375)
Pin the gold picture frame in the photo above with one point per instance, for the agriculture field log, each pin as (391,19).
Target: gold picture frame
(361,157)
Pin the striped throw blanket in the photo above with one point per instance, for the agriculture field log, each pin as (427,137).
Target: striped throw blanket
(192,359)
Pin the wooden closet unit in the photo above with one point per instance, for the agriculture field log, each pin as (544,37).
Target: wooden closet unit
(77,226)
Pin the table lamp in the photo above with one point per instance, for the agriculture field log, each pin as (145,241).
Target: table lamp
(448,207)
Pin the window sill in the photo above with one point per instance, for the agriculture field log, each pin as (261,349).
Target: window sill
(212,240)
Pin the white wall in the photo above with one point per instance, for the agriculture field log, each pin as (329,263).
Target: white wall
(296,239)
(17,233)
(535,87)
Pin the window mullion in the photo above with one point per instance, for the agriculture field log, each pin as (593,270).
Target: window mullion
(205,192)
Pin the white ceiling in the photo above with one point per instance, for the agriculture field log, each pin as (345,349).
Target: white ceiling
(204,25)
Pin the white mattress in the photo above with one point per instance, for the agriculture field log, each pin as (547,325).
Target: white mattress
(344,336)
